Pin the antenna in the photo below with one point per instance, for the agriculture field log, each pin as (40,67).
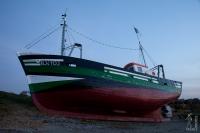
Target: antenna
(64,25)
(140,46)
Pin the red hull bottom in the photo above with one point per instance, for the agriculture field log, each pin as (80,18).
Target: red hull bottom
(105,104)
(154,116)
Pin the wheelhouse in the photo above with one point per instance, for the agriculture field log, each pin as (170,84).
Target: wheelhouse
(136,67)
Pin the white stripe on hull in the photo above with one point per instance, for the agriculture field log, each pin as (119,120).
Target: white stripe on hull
(38,60)
(32,64)
(29,53)
(125,72)
(122,74)
(41,78)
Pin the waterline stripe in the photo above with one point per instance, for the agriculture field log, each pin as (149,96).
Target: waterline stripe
(32,79)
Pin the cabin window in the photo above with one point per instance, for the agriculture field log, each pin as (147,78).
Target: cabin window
(131,68)
(139,69)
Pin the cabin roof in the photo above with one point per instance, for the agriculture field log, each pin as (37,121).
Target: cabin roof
(133,63)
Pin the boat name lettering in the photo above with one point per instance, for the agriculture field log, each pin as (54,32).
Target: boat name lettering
(49,63)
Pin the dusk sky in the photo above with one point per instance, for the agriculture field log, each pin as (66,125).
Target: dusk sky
(169,31)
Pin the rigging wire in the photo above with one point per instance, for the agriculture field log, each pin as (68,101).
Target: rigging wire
(41,37)
(98,42)
(152,61)
(70,34)
(55,28)
(69,40)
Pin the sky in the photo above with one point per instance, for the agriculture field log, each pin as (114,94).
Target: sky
(169,31)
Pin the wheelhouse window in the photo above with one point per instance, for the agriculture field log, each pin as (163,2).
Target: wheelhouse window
(139,69)
(131,68)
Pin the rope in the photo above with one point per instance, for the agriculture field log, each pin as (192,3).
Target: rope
(41,37)
(98,42)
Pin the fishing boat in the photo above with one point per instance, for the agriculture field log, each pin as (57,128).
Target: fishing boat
(81,88)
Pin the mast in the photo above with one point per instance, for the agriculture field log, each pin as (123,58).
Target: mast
(63,34)
(140,46)
(73,46)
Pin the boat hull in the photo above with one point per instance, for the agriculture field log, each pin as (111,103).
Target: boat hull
(85,89)
(86,95)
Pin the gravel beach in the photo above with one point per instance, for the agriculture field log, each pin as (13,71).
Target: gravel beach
(18,114)
(45,124)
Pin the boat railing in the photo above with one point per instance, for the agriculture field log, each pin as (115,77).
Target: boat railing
(178,84)
(159,70)
(72,47)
